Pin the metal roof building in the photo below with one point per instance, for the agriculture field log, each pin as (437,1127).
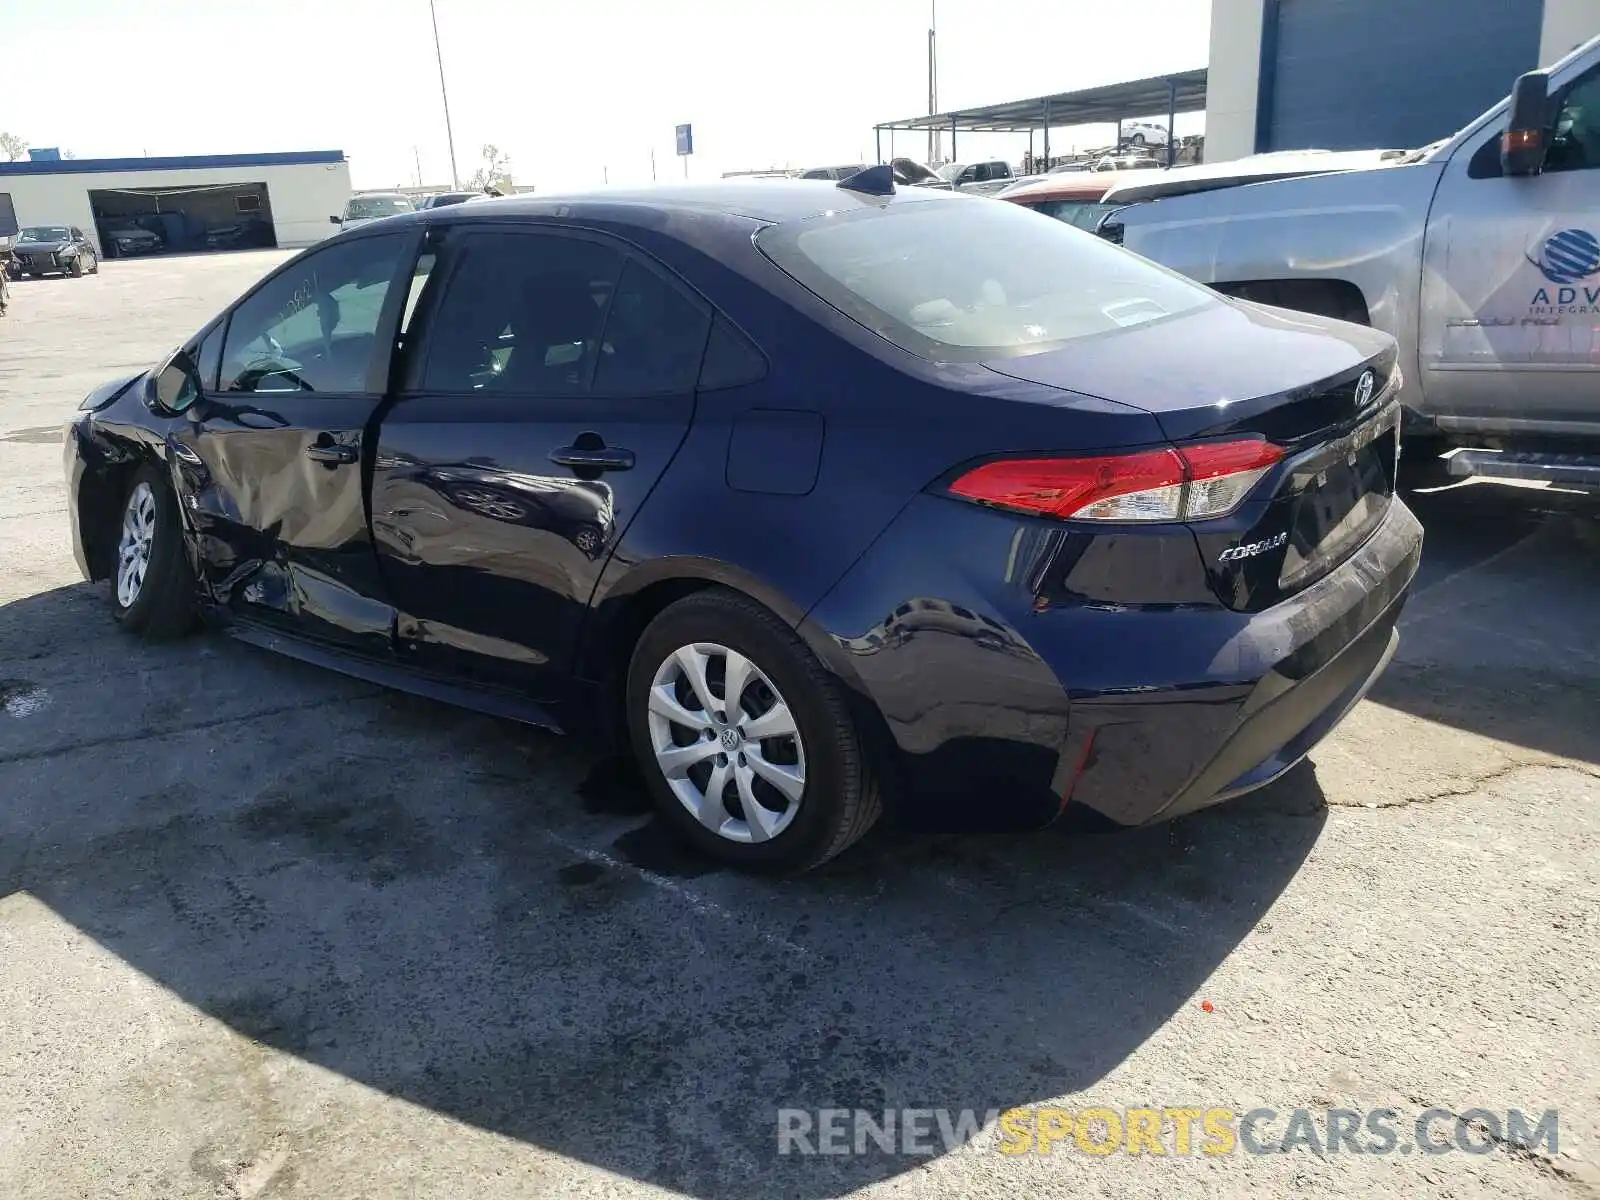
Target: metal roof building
(1112,103)
(184,204)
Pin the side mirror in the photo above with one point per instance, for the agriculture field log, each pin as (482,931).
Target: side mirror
(1522,145)
(1110,226)
(172,388)
(336,220)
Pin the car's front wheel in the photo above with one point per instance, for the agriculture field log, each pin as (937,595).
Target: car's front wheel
(745,739)
(152,585)
(1137,140)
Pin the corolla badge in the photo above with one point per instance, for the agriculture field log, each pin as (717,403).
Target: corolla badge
(1568,256)
(1364,388)
(1251,549)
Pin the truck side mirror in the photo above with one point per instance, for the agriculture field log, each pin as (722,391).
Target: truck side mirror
(1523,144)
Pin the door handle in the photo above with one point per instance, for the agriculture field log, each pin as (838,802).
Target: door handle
(333,455)
(600,458)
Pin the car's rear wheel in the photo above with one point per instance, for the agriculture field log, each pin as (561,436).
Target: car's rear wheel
(745,739)
(152,585)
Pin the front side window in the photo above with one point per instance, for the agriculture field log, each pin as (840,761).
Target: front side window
(1080,214)
(1575,140)
(313,328)
(522,312)
(956,280)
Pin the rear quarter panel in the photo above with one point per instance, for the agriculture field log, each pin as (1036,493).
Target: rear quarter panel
(1362,227)
(891,424)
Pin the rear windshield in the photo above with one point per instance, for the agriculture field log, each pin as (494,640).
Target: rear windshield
(965,279)
(376,206)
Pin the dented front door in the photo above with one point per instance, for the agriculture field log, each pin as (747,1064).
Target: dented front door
(274,457)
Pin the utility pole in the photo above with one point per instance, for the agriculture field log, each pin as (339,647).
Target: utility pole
(652,164)
(416,156)
(933,77)
(449,131)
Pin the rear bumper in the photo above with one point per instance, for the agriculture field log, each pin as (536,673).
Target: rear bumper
(1008,706)
(1539,466)
(1296,669)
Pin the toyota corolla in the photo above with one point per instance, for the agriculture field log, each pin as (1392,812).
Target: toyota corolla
(827,500)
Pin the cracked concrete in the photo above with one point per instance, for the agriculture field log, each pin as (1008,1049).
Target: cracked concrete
(266,933)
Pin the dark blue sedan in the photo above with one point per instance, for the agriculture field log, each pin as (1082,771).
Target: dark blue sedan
(827,499)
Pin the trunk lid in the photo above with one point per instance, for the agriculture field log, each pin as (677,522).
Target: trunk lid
(1317,388)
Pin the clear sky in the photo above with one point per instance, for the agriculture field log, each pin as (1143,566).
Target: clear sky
(575,92)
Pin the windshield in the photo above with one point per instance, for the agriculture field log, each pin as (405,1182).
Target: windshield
(44,233)
(949,171)
(909,170)
(963,280)
(376,206)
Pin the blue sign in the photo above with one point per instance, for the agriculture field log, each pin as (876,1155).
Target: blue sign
(685,139)
(45,154)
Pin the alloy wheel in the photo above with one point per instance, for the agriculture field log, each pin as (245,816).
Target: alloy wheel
(727,742)
(133,549)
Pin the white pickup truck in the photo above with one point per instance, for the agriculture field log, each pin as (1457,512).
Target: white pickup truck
(1481,255)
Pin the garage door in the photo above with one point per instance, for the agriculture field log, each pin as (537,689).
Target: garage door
(1353,74)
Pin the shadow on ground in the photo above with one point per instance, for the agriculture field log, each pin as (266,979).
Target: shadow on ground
(1503,636)
(422,901)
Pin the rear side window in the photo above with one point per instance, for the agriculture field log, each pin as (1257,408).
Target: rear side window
(964,280)
(522,312)
(654,339)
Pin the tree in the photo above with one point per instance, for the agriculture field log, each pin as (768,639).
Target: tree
(495,171)
(12,146)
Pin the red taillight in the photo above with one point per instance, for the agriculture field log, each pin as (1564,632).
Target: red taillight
(1187,484)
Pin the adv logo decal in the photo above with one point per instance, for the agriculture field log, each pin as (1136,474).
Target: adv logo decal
(1568,256)
(1567,259)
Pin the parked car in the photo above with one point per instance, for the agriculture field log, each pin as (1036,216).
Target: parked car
(372,206)
(1071,587)
(54,250)
(983,177)
(1142,133)
(1481,253)
(445,199)
(1078,199)
(128,241)
(833,173)
(912,173)
(1126,162)
(244,234)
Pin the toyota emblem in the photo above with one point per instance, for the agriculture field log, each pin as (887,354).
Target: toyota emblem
(1364,388)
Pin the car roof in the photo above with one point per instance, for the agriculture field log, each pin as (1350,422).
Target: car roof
(1069,185)
(767,200)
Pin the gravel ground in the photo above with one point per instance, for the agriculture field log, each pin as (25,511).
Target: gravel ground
(268,932)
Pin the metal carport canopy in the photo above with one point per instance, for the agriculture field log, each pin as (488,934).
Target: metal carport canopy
(1173,93)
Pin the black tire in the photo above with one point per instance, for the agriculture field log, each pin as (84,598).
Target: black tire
(164,606)
(75,268)
(95,259)
(840,800)
(1137,140)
